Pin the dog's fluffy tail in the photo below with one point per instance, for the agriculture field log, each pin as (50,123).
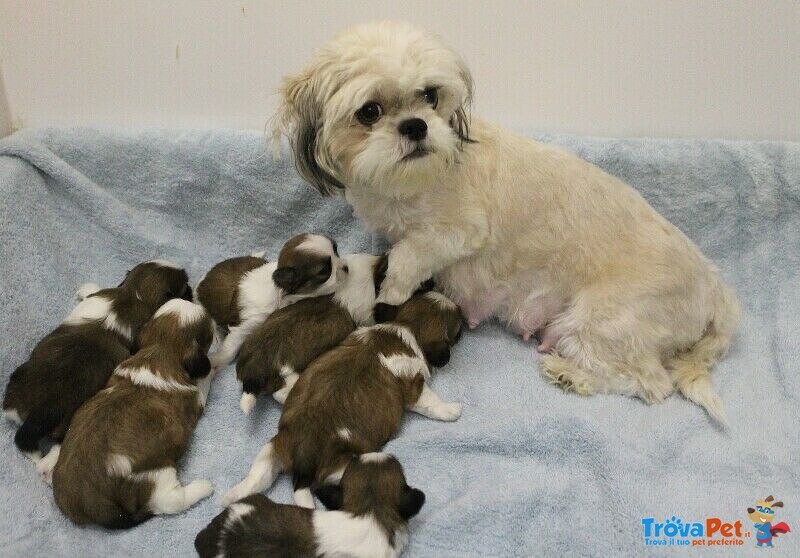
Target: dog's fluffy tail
(691,369)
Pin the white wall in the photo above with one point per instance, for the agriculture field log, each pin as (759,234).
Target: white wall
(621,68)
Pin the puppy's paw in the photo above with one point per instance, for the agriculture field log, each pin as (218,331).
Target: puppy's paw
(247,402)
(46,465)
(235,494)
(450,412)
(198,490)
(384,312)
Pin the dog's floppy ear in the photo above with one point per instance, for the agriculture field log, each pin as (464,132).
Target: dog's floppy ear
(196,363)
(459,122)
(750,510)
(286,278)
(411,502)
(777,504)
(438,353)
(330,495)
(299,116)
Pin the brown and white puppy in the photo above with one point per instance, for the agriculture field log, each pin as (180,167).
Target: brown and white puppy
(75,360)
(357,391)
(239,293)
(117,466)
(371,508)
(274,355)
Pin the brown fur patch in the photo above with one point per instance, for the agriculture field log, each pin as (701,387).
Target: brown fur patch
(269,530)
(218,292)
(291,336)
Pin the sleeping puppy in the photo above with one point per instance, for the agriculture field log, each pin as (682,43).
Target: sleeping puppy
(118,462)
(75,360)
(372,507)
(357,391)
(272,357)
(239,293)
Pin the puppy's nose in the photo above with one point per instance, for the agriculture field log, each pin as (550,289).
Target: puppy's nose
(415,128)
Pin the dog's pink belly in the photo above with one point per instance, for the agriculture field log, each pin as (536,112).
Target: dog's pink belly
(532,319)
(482,307)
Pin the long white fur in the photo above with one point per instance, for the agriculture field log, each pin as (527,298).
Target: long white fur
(187,312)
(632,305)
(147,378)
(98,308)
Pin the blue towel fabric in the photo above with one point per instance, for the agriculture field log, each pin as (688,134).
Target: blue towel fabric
(527,470)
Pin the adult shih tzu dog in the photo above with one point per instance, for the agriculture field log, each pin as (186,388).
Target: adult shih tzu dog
(619,299)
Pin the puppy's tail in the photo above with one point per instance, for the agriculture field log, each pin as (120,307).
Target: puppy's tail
(691,369)
(40,423)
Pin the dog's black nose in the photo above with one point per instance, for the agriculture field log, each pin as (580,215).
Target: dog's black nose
(415,128)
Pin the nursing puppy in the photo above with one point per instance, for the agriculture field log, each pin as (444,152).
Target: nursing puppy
(372,507)
(239,293)
(357,392)
(117,466)
(511,228)
(75,360)
(274,355)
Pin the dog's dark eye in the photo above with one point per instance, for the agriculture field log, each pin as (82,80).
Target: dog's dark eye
(431,96)
(370,113)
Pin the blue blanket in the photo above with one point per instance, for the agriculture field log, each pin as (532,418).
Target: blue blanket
(528,469)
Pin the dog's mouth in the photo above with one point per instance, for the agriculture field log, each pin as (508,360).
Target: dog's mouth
(417,153)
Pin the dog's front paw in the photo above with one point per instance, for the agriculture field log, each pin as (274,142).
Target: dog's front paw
(450,412)
(391,294)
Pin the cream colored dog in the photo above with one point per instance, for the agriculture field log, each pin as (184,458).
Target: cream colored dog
(619,298)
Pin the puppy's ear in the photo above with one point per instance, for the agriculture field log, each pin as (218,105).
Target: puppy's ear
(187,293)
(750,510)
(411,502)
(286,278)
(438,353)
(777,504)
(330,495)
(299,116)
(384,312)
(196,363)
